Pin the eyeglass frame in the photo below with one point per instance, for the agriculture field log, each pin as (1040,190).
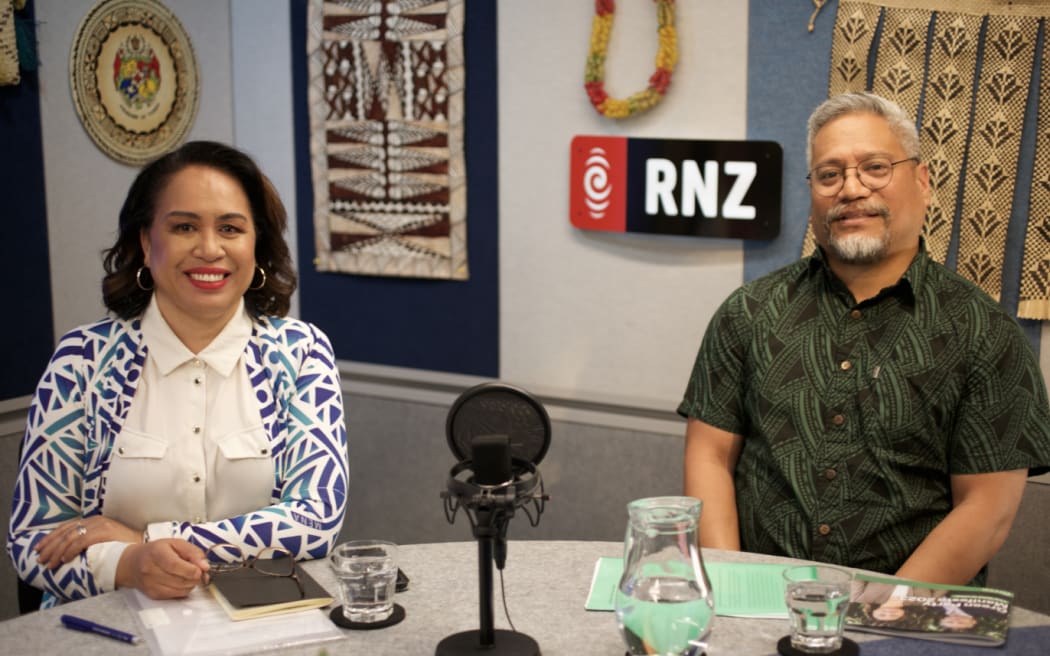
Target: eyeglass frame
(842,172)
(247,562)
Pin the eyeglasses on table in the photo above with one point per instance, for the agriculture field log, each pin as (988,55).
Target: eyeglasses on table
(271,561)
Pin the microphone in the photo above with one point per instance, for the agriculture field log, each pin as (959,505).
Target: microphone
(498,434)
(491,457)
(492,466)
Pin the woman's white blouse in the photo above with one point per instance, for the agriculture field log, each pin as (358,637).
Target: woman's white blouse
(193,447)
(75,426)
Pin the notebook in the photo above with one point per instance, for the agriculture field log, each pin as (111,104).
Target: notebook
(247,593)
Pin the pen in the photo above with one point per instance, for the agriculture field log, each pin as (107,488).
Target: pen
(79,624)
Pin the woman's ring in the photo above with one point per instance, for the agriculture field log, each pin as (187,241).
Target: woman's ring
(81,529)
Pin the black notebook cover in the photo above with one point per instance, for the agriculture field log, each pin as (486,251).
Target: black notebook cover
(245,593)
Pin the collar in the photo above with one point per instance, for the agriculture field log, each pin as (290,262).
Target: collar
(169,353)
(907,287)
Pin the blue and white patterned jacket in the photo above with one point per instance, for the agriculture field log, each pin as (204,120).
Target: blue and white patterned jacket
(83,399)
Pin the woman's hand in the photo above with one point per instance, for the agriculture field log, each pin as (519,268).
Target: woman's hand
(70,539)
(162,569)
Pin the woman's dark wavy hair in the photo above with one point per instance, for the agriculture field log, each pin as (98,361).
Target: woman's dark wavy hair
(127,300)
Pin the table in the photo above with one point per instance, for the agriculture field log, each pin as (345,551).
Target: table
(546,586)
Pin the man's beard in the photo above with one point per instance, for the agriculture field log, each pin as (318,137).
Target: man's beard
(855,248)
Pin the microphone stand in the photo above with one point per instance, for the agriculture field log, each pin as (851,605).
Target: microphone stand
(489,526)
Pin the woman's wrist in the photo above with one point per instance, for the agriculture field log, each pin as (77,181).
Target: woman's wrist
(124,577)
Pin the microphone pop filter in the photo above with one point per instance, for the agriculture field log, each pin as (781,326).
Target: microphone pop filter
(499,409)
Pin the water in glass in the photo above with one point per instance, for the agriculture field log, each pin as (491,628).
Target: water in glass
(367,576)
(817,599)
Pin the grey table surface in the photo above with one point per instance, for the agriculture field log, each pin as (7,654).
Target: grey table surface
(546,587)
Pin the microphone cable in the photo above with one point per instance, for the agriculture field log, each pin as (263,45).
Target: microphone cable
(503,594)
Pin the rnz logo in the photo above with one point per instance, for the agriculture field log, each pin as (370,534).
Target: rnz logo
(597,184)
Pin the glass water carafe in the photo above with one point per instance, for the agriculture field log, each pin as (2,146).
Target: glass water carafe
(663,603)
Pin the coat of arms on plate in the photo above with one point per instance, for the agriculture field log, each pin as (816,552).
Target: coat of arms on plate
(134,79)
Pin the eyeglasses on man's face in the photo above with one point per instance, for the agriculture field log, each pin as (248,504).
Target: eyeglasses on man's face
(874,173)
(271,561)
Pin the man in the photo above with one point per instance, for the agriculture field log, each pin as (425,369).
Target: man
(865,405)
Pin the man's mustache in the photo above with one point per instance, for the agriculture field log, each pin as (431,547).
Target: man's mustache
(840,211)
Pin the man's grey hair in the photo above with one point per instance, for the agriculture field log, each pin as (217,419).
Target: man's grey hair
(863,103)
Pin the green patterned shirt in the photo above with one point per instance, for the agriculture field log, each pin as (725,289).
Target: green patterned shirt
(855,414)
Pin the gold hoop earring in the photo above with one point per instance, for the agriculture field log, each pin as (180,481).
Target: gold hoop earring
(138,279)
(262,283)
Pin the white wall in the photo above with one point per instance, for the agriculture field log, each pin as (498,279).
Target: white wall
(261,47)
(597,315)
(243,51)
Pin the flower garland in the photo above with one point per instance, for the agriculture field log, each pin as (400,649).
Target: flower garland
(666,57)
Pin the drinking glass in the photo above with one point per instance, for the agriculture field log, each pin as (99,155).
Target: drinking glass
(367,574)
(817,598)
(663,603)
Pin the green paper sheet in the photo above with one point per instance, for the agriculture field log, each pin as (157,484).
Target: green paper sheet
(740,589)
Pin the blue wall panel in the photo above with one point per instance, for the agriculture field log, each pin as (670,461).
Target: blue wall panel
(427,324)
(26,332)
(787,71)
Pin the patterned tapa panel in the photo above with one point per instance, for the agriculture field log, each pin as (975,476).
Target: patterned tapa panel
(1035,271)
(8,46)
(926,59)
(386,123)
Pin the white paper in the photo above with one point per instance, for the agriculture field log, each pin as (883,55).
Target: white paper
(197,626)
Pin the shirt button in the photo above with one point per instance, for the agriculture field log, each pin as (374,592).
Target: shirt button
(197,380)
(198,363)
(197,520)
(196,430)
(196,478)
(824,529)
(855,314)
(838,420)
(120,450)
(830,474)
(846,365)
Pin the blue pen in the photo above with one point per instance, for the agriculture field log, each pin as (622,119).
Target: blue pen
(79,624)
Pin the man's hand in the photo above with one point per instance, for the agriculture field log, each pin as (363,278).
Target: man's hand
(162,569)
(69,539)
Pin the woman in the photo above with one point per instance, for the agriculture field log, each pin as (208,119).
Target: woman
(198,415)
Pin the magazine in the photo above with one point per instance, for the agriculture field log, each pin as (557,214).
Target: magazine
(949,613)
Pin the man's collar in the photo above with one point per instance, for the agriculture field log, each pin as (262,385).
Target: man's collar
(910,281)
(168,351)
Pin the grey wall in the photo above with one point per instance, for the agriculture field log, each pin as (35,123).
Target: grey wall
(12,424)
(1023,565)
(399,464)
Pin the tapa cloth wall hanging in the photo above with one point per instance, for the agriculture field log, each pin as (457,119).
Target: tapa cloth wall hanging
(134,79)
(386,137)
(9,74)
(972,112)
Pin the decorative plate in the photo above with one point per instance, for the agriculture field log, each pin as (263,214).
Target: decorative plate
(134,79)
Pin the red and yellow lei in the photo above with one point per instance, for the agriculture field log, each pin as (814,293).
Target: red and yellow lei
(666,57)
